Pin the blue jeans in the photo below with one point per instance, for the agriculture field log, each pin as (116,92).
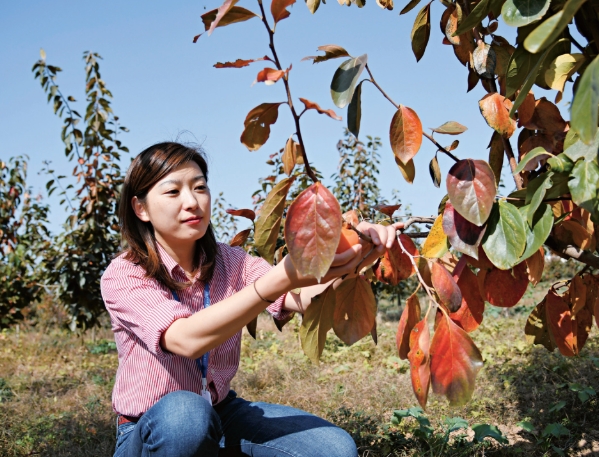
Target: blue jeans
(183,424)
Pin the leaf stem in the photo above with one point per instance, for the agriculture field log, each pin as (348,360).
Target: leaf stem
(426,287)
(285,78)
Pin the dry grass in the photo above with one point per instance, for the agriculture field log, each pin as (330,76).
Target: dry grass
(55,391)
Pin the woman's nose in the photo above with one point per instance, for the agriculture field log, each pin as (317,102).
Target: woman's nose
(189,200)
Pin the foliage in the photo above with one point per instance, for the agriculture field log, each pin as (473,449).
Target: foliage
(223,223)
(81,253)
(23,235)
(485,247)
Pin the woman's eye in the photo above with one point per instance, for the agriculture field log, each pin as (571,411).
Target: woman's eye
(201,188)
(172,192)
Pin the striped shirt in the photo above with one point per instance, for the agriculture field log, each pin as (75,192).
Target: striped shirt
(141,309)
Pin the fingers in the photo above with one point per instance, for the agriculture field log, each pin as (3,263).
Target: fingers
(347,256)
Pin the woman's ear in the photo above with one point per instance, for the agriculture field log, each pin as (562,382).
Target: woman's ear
(140,209)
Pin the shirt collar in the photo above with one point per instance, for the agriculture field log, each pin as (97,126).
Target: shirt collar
(174,269)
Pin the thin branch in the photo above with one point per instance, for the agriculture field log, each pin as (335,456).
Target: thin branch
(566,251)
(296,118)
(417,234)
(441,148)
(420,278)
(418,220)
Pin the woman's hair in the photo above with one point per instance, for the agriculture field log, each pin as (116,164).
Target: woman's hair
(147,169)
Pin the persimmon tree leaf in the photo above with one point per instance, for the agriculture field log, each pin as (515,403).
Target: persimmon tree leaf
(355,312)
(239,63)
(535,265)
(409,7)
(247,213)
(584,186)
(449,22)
(484,60)
(405,134)
(542,223)
(257,125)
(533,154)
(535,193)
(584,106)
(560,323)
(419,357)
(446,288)
(518,13)
(421,31)
(496,154)
(578,149)
(503,288)
(313,5)
(278,9)
(408,171)
(317,321)
(537,328)
(455,362)
(410,316)
(269,220)
(289,158)
(311,105)
(354,112)
(471,189)
(521,64)
(463,235)
(560,70)
(270,75)
(505,237)
(387,210)
(345,79)
(240,238)
(495,109)
(470,314)
(451,128)
(226,14)
(252,326)
(395,265)
(476,15)
(435,172)
(313,230)
(436,243)
(331,51)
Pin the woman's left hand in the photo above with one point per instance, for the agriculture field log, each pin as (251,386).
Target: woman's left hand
(382,237)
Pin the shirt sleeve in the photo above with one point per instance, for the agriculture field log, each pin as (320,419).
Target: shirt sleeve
(139,305)
(255,268)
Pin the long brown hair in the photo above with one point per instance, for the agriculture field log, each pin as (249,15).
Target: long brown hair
(149,167)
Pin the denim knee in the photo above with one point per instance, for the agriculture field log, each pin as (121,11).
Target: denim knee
(341,443)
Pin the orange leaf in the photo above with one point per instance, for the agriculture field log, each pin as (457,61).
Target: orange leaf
(355,312)
(525,112)
(395,265)
(419,357)
(291,156)
(571,232)
(503,288)
(240,238)
(257,125)
(409,318)
(470,314)
(311,105)
(351,217)
(455,362)
(248,213)
(560,324)
(270,75)
(387,210)
(239,63)
(278,8)
(535,265)
(547,117)
(405,133)
(313,230)
(448,291)
(495,109)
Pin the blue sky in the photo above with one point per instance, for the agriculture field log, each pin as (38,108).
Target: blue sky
(163,84)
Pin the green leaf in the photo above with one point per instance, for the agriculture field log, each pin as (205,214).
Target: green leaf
(542,223)
(551,28)
(560,163)
(557,406)
(409,7)
(579,150)
(586,100)
(536,152)
(526,426)
(505,237)
(530,79)
(269,222)
(317,321)
(518,13)
(521,64)
(476,15)
(584,185)
(354,111)
(421,31)
(555,429)
(536,191)
(482,431)
(345,79)
(455,423)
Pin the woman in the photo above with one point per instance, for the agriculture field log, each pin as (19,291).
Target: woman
(178,301)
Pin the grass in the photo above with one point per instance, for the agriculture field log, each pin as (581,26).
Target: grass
(55,391)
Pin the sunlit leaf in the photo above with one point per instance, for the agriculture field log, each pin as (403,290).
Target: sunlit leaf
(534,154)
(560,323)
(317,321)
(387,210)
(247,213)
(289,158)
(518,13)
(311,105)
(270,75)
(463,235)
(447,290)
(449,22)
(355,312)
(354,112)
(484,60)
(395,265)
(257,125)
(226,14)
(495,109)
(345,79)
(584,106)
(435,172)
(313,5)
(535,193)
(470,314)
(505,238)
(476,15)
(436,243)
(313,230)
(535,265)
(451,128)
(455,362)
(584,186)
(408,171)
(419,357)
(410,316)
(471,189)
(332,51)
(239,63)
(542,223)
(405,134)
(560,70)
(520,66)
(279,11)
(578,149)
(269,221)
(537,328)
(421,31)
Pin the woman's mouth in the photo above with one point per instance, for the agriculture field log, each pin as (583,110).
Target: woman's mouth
(192,221)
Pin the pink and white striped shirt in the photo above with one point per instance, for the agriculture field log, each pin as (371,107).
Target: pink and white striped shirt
(141,309)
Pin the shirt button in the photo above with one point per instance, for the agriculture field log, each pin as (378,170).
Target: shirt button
(212,371)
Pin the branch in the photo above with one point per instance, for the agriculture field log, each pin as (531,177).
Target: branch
(417,234)
(566,251)
(418,220)
(296,118)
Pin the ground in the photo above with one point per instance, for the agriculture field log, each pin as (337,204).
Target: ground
(55,390)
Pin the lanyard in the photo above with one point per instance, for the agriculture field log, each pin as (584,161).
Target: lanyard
(202,362)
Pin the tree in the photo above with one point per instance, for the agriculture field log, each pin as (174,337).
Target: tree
(482,247)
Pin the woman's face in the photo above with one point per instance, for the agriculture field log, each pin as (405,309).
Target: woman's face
(178,206)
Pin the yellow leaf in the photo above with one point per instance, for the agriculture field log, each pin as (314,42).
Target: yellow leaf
(436,244)
(560,70)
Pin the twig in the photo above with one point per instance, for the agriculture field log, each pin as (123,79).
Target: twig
(418,220)
(373,81)
(296,118)
(426,287)
(417,234)
(566,251)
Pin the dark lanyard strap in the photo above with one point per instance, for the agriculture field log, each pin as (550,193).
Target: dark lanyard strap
(202,362)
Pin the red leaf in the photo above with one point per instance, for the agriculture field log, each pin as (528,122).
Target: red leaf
(278,9)
(409,318)
(471,188)
(405,134)
(257,125)
(387,210)
(248,213)
(313,230)
(311,105)
(464,236)
(419,357)
(239,63)
(470,314)
(270,75)
(355,312)
(559,319)
(395,265)
(535,265)
(448,291)
(495,109)
(503,288)
(455,362)
(240,238)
